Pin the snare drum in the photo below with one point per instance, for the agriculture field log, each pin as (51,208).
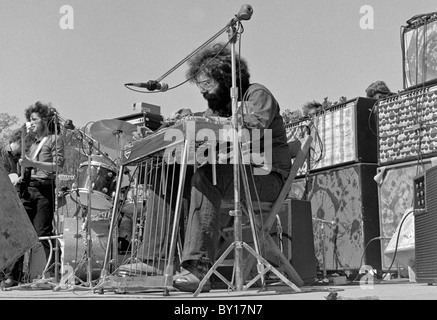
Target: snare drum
(103,178)
(133,196)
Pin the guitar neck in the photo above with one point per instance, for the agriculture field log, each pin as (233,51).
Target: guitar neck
(23,148)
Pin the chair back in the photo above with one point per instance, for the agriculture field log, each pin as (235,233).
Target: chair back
(299,150)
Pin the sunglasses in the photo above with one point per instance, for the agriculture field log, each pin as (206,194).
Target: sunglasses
(207,85)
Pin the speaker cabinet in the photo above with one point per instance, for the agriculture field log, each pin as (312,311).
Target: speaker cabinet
(342,135)
(425,224)
(395,195)
(297,227)
(418,50)
(344,201)
(407,126)
(293,232)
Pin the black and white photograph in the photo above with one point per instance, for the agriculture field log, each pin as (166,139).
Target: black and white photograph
(222,158)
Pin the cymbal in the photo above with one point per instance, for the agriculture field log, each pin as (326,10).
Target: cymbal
(113,133)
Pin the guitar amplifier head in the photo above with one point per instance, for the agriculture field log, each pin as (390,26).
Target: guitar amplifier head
(419,38)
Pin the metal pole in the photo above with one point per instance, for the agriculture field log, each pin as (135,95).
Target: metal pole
(88,218)
(238,254)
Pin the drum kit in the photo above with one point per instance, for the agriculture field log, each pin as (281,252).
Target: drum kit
(94,191)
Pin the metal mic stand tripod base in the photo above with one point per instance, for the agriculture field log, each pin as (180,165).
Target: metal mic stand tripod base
(237,245)
(44,283)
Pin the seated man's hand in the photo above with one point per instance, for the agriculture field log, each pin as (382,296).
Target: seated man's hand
(141,133)
(180,114)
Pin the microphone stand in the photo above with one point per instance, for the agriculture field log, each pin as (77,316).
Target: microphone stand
(88,218)
(238,245)
(323,235)
(57,249)
(244,14)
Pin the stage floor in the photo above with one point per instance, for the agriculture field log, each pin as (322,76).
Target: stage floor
(399,289)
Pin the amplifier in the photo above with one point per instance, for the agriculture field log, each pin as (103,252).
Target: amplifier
(407,126)
(151,120)
(348,198)
(342,134)
(419,41)
(425,224)
(396,197)
(293,232)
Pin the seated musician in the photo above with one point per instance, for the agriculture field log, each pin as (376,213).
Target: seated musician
(211,71)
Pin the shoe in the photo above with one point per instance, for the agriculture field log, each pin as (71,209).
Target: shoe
(190,277)
(8,283)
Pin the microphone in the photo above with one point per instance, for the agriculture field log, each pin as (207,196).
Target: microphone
(151,85)
(69,125)
(245,12)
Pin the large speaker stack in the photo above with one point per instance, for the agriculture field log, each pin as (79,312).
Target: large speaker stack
(407,146)
(338,181)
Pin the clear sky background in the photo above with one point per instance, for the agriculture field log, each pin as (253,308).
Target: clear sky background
(301,50)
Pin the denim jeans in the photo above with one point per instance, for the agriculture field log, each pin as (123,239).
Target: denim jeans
(39,205)
(205,217)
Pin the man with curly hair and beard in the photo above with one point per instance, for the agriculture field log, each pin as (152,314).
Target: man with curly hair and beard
(46,157)
(211,71)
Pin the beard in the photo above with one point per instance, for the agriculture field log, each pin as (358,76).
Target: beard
(219,101)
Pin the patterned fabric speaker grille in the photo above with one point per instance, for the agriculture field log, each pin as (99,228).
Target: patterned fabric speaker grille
(407,126)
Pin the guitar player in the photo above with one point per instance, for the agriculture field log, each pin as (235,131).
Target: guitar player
(10,154)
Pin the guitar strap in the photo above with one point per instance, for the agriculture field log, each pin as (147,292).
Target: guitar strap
(38,149)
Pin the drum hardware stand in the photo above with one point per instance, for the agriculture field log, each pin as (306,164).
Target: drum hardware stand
(88,237)
(112,235)
(91,141)
(88,219)
(43,283)
(57,249)
(88,213)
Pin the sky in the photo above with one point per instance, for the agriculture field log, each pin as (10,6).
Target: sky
(80,59)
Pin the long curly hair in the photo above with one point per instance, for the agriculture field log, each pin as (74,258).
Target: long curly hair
(377,89)
(46,111)
(215,62)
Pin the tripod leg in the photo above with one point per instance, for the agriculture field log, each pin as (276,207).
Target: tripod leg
(213,270)
(287,266)
(270,267)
